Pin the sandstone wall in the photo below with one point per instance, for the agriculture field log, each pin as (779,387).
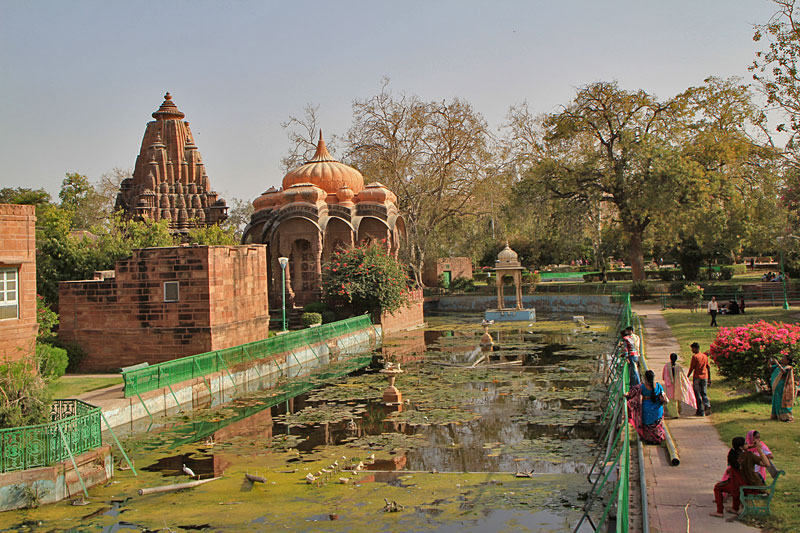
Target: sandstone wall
(405,317)
(18,252)
(222,302)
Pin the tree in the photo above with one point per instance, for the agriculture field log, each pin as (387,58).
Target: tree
(239,215)
(620,148)
(79,197)
(24,196)
(109,186)
(435,156)
(212,235)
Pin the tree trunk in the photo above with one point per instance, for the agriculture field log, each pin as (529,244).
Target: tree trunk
(636,257)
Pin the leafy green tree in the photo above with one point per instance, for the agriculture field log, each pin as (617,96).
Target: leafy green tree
(213,235)
(24,196)
(367,278)
(80,198)
(25,398)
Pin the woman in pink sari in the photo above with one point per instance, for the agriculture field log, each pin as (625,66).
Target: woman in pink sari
(752,443)
(677,385)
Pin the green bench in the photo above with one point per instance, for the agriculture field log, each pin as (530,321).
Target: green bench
(757,503)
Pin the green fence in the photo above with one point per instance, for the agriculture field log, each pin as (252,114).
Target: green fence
(74,428)
(171,372)
(609,491)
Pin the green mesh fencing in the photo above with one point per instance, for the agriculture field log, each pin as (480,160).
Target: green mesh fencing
(170,372)
(74,428)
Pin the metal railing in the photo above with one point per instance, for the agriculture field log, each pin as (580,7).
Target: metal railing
(74,428)
(610,472)
(169,373)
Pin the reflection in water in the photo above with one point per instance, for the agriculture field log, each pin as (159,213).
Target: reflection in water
(542,414)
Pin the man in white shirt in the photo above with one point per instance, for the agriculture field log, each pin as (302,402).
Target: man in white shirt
(713,307)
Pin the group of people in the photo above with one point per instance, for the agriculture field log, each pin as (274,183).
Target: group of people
(748,461)
(731,308)
(771,276)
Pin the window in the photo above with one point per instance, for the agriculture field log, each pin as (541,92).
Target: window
(171,291)
(9,293)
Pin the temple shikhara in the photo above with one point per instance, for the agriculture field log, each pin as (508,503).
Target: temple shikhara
(322,205)
(169,179)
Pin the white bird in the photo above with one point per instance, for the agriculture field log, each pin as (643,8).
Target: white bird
(372,457)
(310,478)
(344,480)
(188,471)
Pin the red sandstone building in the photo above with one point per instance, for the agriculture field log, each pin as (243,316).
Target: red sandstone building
(169,179)
(322,205)
(449,268)
(166,303)
(18,325)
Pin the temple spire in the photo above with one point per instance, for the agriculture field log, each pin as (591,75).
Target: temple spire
(322,153)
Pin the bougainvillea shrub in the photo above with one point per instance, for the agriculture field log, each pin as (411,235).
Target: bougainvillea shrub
(744,352)
(367,277)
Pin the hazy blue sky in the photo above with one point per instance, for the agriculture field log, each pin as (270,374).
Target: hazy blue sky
(79,79)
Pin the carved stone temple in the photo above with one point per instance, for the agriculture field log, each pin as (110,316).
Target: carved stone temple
(169,179)
(322,205)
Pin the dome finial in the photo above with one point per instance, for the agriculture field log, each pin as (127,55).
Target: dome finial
(168,109)
(167,96)
(322,153)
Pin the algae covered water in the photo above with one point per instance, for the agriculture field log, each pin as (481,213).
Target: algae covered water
(337,458)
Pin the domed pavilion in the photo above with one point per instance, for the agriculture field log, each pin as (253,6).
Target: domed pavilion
(321,206)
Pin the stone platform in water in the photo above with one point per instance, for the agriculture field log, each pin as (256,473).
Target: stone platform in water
(510,315)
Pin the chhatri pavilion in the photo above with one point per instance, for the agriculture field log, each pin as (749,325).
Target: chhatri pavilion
(322,205)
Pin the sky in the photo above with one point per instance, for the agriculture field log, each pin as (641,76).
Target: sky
(79,79)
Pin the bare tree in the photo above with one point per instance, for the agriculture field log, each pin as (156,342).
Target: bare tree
(437,157)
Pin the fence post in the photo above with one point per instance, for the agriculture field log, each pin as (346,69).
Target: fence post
(72,458)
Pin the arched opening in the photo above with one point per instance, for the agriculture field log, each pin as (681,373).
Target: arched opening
(374,229)
(302,266)
(338,234)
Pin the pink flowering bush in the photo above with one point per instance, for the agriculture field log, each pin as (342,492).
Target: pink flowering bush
(366,277)
(744,352)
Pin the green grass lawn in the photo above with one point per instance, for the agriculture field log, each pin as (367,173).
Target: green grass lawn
(737,409)
(71,387)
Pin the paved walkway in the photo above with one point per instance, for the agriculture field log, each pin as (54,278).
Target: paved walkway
(703,454)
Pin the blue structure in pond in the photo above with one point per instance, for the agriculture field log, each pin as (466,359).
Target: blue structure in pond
(507,264)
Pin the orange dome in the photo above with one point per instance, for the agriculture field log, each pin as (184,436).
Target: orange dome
(267,199)
(303,192)
(325,172)
(376,193)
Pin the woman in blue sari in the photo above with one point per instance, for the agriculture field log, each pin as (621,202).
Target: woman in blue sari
(783,389)
(646,409)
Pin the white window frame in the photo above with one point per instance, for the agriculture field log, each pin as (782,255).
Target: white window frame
(4,279)
(177,285)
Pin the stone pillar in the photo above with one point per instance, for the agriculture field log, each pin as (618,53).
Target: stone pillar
(500,298)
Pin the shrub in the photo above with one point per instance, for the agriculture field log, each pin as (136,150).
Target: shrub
(51,360)
(676,287)
(744,352)
(366,276)
(46,318)
(739,269)
(311,318)
(725,272)
(462,284)
(328,317)
(479,276)
(693,295)
(75,353)
(315,307)
(640,291)
(26,398)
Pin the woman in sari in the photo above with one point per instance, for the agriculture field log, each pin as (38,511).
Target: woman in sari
(783,389)
(646,409)
(677,385)
(752,443)
(741,471)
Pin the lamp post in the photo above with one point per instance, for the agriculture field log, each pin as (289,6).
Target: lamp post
(283,261)
(783,281)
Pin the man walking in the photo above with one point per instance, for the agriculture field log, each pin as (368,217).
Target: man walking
(702,379)
(713,307)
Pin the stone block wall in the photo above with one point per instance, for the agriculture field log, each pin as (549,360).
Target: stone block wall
(459,267)
(221,302)
(405,317)
(18,254)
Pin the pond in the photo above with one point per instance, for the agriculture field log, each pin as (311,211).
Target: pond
(338,458)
